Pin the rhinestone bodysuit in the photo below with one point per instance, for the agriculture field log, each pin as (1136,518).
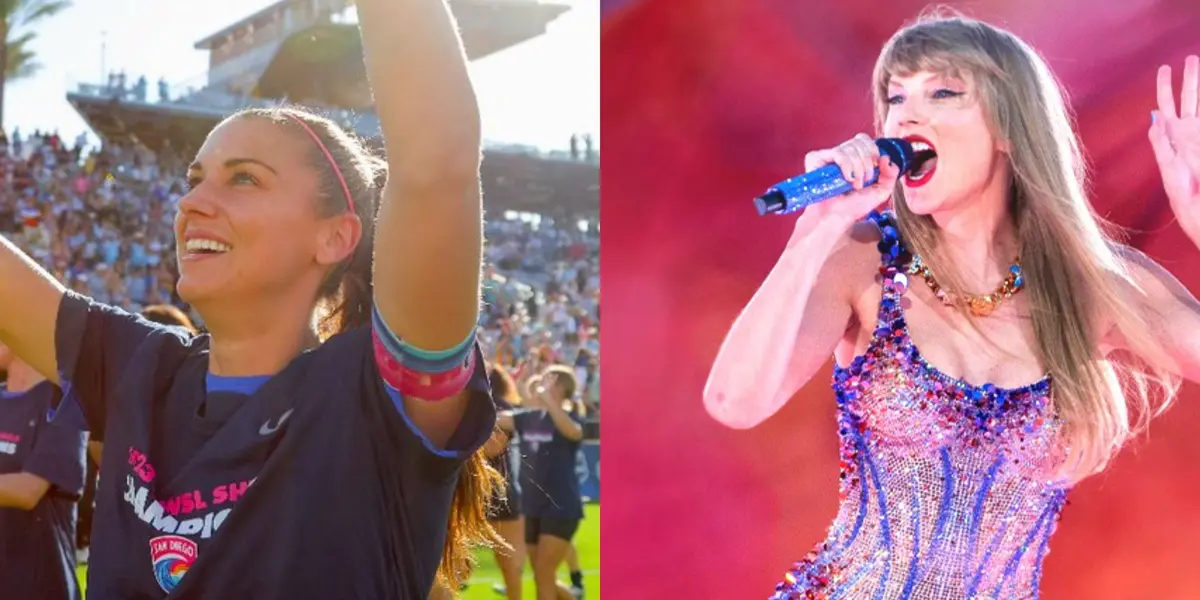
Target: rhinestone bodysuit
(948,491)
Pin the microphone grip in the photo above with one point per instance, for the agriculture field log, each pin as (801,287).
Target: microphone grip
(802,191)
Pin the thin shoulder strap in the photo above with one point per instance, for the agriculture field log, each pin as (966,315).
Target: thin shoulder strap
(894,258)
(891,247)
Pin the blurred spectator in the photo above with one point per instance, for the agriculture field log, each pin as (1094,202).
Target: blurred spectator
(542,296)
(139,89)
(100,222)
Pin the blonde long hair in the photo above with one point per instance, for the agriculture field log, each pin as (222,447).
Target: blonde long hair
(1071,260)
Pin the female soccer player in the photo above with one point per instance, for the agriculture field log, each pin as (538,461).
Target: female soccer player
(41,478)
(505,508)
(977,375)
(310,446)
(549,436)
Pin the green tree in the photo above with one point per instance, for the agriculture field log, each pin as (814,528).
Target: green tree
(17,20)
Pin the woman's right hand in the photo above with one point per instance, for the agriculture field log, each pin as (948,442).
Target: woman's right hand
(797,317)
(857,158)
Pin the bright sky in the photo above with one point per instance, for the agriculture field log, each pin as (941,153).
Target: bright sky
(538,93)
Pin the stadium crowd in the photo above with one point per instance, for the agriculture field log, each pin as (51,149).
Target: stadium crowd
(101,221)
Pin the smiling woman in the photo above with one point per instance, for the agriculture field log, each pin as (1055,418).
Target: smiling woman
(333,415)
(248,218)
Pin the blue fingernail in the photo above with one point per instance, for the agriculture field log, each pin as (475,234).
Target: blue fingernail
(1153,118)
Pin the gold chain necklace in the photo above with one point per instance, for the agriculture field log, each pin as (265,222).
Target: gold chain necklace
(980,305)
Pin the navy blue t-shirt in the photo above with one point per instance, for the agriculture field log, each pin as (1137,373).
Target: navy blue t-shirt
(37,547)
(503,462)
(549,485)
(314,485)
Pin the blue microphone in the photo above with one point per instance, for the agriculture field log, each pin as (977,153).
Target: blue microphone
(827,182)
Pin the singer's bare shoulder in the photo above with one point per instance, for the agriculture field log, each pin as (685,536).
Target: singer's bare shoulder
(865,234)
(853,268)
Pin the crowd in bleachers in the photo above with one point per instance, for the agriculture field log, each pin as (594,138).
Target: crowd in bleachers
(542,292)
(101,221)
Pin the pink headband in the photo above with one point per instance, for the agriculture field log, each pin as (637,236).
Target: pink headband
(336,171)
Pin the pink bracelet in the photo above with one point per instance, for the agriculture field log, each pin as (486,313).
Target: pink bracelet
(415,384)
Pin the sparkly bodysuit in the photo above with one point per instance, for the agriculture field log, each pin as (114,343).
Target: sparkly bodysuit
(948,490)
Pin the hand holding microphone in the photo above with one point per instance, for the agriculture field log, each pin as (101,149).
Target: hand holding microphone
(862,169)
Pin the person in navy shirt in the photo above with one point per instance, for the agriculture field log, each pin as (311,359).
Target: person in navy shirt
(505,507)
(321,440)
(41,478)
(550,500)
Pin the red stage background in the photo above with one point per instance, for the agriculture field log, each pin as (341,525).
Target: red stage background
(705,103)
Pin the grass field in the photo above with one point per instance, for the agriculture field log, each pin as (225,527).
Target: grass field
(587,541)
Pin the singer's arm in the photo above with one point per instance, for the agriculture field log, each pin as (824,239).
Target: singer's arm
(793,323)
(1169,310)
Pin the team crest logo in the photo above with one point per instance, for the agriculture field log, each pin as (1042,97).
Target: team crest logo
(172,556)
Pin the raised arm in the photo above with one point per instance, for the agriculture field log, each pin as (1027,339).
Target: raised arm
(792,324)
(29,301)
(1171,312)
(564,422)
(794,321)
(428,240)
(1168,310)
(428,233)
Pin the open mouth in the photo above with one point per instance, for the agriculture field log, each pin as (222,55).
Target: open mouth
(202,248)
(924,162)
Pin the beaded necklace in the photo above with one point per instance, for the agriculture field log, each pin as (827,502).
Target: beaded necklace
(980,305)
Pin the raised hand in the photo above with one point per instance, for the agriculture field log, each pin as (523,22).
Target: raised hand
(856,157)
(1175,137)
